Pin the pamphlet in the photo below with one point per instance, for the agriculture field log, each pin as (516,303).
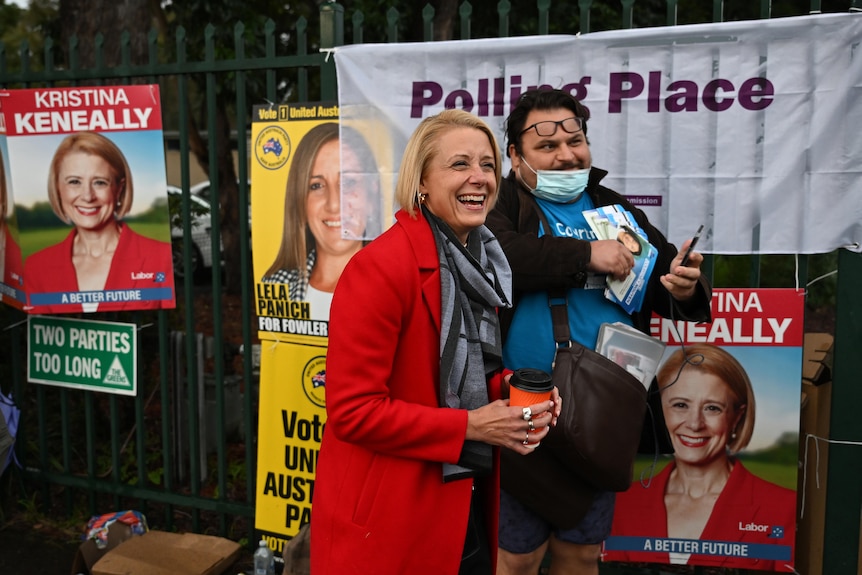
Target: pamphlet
(616,223)
(634,351)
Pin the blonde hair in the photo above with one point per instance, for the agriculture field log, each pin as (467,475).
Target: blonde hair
(422,147)
(98,145)
(712,360)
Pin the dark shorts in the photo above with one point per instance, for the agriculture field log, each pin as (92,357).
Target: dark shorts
(522,531)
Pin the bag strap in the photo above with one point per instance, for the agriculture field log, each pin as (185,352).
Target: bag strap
(557,299)
(560,317)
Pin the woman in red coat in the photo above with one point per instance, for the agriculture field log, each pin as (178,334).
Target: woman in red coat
(705,508)
(408,477)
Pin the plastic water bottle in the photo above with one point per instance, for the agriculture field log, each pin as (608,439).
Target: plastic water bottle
(264,562)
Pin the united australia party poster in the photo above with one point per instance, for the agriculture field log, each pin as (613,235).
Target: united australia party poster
(730,396)
(87,171)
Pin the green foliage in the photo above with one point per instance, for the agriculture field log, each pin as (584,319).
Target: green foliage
(781,271)
(785,451)
(39,215)
(175,209)
(28,28)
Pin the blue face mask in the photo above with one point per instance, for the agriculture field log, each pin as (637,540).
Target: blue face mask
(560,186)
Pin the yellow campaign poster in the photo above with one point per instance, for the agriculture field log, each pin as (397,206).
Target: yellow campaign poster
(291,419)
(316,200)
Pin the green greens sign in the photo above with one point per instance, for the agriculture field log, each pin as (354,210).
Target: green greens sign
(84,354)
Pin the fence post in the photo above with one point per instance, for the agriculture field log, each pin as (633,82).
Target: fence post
(331,35)
(843,497)
(331,25)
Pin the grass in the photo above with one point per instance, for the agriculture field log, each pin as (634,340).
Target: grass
(780,474)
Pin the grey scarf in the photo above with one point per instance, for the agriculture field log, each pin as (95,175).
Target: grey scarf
(474,282)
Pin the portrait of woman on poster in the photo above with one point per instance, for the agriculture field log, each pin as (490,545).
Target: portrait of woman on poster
(629,238)
(10,251)
(90,187)
(408,473)
(706,492)
(326,212)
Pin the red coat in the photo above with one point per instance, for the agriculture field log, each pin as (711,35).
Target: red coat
(380,505)
(748,511)
(139,264)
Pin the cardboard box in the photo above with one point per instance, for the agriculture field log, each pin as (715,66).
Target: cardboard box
(88,553)
(163,553)
(817,358)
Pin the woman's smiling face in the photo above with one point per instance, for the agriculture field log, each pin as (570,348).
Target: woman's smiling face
(701,414)
(460,183)
(88,190)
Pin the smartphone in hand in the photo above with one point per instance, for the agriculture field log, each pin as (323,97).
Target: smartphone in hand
(693,243)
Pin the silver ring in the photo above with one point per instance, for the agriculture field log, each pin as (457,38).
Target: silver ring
(526,439)
(528,413)
(532,427)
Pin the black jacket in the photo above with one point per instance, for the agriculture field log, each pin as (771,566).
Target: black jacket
(549,262)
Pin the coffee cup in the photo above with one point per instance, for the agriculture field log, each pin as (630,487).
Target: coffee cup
(529,386)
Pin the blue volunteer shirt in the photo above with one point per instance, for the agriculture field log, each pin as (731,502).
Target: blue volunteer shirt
(530,342)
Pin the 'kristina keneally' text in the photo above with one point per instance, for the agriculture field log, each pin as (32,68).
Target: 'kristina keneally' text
(82,109)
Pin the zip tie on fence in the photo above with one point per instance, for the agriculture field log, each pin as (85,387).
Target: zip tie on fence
(146,325)
(824,276)
(816,438)
(16,324)
(328,52)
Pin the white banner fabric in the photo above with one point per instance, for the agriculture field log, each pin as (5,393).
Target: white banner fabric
(750,128)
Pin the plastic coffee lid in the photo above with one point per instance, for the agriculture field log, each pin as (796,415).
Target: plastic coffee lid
(529,379)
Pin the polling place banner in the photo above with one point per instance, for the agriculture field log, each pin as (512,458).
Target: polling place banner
(749,128)
(747,517)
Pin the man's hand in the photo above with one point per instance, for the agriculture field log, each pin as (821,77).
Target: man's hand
(681,281)
(610,257)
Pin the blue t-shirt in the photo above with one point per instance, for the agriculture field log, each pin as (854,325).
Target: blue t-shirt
(530,341)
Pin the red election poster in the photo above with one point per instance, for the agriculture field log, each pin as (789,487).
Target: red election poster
(87,171)
(729,394)
(11,270)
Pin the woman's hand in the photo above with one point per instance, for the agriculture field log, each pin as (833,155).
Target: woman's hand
(503,425)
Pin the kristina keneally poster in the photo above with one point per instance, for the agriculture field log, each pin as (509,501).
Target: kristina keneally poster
(727,497)
(87,172)
(11,268)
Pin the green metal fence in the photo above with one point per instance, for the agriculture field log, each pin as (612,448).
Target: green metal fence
(183,450)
